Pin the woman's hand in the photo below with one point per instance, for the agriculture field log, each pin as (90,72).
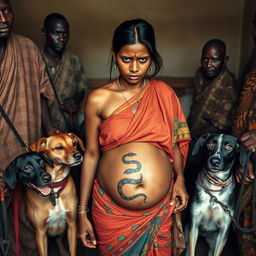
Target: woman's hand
(85,231)
(179,195)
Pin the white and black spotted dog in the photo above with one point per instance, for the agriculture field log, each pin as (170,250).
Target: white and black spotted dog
(214,192)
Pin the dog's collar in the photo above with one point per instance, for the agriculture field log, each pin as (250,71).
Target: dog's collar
(59,184)
(221,184)
(55,194)
(215,182)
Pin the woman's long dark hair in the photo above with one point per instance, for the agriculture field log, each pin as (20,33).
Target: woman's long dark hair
(136,31)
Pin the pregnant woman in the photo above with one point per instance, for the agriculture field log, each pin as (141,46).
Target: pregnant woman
(137,141)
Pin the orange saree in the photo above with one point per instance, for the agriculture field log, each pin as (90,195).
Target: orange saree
(159,120)
(126,232)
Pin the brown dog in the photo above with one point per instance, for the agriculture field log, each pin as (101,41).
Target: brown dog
(50,215)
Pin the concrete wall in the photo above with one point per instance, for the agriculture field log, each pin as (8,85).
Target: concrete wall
(182,27)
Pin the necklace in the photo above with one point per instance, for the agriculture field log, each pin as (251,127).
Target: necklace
(134,109)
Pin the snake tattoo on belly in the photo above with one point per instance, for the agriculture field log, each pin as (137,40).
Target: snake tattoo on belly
(125,181)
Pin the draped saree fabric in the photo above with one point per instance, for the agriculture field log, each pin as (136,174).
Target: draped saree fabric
(124,232)
(159,120)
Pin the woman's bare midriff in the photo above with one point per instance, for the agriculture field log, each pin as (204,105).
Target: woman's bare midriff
(135,175)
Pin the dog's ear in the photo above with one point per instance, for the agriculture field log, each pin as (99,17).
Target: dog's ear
(10,176)
(243,154)
(48,161)
(238,145)
(39,145)
(199,143)
(78,139)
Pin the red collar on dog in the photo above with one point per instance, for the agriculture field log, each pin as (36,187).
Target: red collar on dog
(213,181)
(59,184)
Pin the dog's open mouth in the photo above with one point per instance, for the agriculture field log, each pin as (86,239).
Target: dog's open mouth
(43,191)
(76,163)
(214,170)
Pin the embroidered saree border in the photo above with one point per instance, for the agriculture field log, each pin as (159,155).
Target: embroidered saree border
(130,102)
(139,237)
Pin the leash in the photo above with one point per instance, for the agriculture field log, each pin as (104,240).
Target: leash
(207,190)
(23,144)
(16,220)
(4,241)
(224,207)
(16,192)
(71,119)
(69,122)
(238,209)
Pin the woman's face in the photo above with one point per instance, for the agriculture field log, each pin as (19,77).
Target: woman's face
(133,61)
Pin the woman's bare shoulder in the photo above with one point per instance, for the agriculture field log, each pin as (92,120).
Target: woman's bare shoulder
(100,96)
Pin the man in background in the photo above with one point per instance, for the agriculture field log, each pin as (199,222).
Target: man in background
(25,92)
(66,73)
(213,104)
(244,127)
(216,92)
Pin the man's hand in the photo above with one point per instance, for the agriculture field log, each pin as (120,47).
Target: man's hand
(52,130)
(69,105)
(249,140)
(249,177)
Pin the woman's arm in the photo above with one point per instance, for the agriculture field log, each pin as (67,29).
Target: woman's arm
(179,193)
(88,172)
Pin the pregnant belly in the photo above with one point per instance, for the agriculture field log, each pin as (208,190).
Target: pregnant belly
(135,175)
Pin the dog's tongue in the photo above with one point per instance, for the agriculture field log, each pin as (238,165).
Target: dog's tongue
(44,190)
